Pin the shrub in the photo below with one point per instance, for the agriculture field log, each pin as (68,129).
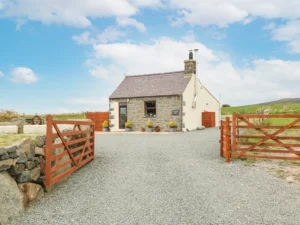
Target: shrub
(128,124)
(8,115)
(225,105)
(105,124)
(149,124)
(172,124)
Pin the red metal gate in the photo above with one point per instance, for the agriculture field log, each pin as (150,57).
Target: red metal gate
(98,118)
(209,119)
(67,151)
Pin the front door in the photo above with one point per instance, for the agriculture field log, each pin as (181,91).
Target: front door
(122,114)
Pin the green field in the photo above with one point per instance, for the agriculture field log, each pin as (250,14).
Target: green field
(9,139)
(74,116)
(275,109)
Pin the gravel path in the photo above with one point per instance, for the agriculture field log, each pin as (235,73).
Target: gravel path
(166,179)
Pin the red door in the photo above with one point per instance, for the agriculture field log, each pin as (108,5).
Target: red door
(209,119)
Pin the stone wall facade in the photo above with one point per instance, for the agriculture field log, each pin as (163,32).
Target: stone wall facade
(136,112)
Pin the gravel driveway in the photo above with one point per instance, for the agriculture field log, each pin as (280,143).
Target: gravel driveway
(166,179)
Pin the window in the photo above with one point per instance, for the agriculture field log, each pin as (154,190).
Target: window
(150,109)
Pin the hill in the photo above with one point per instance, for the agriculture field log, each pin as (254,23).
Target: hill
(282,106)
(282,101)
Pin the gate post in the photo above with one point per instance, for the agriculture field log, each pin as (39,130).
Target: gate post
(221,138)
(234,131)
(48,150)
(227,139)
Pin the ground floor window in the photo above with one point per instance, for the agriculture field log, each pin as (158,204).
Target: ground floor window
(150,109)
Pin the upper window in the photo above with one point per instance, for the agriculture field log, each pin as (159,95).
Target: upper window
(150,109)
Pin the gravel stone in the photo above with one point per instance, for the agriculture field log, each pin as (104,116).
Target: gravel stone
(166,179)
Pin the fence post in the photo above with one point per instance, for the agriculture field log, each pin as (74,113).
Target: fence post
(234,130)
(227,139)
(221,138)
(48,150)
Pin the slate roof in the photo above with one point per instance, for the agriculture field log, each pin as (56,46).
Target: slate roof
(151,85)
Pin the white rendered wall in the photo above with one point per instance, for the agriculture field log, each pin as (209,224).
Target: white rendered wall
(9,129)
(205,102)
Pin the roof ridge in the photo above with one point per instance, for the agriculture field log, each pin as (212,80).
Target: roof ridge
(151,74)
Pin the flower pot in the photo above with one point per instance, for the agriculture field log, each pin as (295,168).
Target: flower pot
(105,129)
(127,129)
(149,129)
(172,129)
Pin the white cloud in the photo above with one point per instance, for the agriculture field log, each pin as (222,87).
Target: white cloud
(90,103)
(225,12)
(262,80)
(23,75)
(147,3)
(189,37)
(218,35)
(110,34)
(75,13)
(270,26)
(1,74)
(84,38)
(290,33)
(110,73)
(125,21)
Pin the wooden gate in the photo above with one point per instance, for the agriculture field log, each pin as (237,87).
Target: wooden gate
(256,138)
(67,151)
(98,118)
(209,119)
(225,140)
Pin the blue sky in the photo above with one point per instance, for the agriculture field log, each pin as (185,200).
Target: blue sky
(68,56)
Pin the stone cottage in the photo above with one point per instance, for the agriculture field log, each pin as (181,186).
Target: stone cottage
(161,98)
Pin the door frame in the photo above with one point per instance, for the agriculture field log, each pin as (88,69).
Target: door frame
(120,107)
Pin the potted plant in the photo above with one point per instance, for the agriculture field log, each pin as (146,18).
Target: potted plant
(128,126)
(105,126)
(149,126)
(172,126)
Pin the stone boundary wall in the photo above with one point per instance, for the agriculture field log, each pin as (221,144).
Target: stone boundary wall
(12,129)
(21,176)
(41,129)
(22,172)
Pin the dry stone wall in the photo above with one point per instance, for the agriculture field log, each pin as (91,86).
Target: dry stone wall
(21,175)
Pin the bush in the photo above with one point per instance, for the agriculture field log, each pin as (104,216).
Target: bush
(105,124)
(172,124)
(225,105)
(149,124)
(8,115)
(128,124)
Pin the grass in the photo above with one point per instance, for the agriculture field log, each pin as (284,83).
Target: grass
(287,108)
(9,139)
(73,116)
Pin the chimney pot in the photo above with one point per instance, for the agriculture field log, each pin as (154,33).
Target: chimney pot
(191,55)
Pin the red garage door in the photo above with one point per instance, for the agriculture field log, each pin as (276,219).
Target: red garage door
(98,118)
(209,119)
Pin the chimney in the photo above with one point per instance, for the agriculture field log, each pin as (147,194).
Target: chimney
(189,66)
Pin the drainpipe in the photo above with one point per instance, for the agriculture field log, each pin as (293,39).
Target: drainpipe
(181,112)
